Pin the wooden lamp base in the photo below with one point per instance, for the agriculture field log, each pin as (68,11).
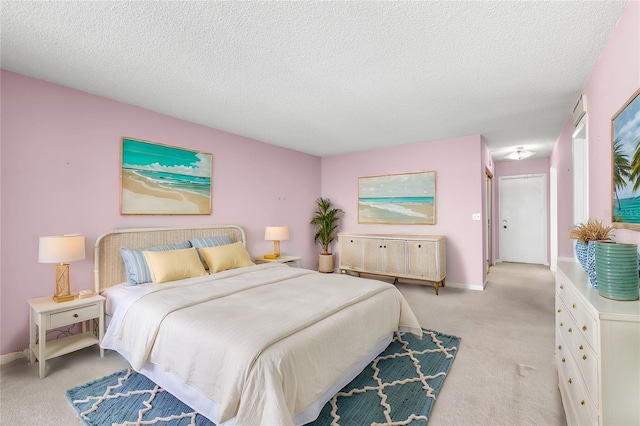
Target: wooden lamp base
(62,284)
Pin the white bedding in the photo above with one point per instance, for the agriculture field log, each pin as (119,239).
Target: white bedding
(262,343)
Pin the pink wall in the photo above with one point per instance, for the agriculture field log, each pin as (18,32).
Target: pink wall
(561,159)
(516,168)
(459,181)
(615,77)
(60,174)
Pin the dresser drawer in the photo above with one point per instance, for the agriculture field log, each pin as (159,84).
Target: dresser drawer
(581,410)
(72,316)
(586,323)
(587,362)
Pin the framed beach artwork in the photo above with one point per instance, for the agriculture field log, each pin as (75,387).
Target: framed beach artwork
(163,179)
(408,199)
(625,138)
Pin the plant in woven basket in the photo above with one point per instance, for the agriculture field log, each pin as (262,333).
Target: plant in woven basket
(593,230)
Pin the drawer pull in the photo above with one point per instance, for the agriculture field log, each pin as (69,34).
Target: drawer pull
(561,324)
(582,402)
(561,287)
(75,315)
(559,310)
(560,347)
(584,328)
(584,357)
(581,347)
(574,306)
(563,360)
(570,381)
(570,330)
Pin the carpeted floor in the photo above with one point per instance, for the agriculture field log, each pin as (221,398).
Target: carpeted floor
(400,386)
(503,375)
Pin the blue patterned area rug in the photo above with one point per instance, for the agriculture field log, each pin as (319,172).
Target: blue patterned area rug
(399,387)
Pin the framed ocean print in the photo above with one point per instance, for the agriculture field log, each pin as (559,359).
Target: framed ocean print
(408,199)
(625,140)
(163,179)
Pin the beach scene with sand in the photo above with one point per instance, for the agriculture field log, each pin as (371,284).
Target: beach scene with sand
(399,199)
(161,179)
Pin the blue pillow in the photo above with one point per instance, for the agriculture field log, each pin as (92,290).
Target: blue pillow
(209,241)
(136,265)
(217,240)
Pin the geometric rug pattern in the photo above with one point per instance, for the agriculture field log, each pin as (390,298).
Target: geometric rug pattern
(399,387)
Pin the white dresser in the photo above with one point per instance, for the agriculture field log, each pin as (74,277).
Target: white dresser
(597,352)
(416,257)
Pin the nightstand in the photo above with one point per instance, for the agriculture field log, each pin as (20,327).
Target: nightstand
(293,261)
(45,315)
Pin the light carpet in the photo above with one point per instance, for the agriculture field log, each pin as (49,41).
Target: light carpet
(399,387)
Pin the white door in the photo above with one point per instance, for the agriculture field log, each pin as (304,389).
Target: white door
(523,219)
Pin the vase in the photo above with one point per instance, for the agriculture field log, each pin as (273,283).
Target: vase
(581,253)
(617,271)
(591,264)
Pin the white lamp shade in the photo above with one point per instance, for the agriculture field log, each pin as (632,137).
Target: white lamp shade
(276,233)
(61,249)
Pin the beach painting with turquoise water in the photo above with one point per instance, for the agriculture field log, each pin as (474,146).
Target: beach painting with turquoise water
(408,199)
(625,136)
(162,179)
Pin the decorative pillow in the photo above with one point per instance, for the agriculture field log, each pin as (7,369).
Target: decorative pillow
(171,265)
(214,241)
(135,263)
(228,256)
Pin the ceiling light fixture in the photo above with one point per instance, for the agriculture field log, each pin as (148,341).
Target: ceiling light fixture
(519,154)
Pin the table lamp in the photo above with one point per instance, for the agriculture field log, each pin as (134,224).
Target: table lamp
(61,250)
(276,234)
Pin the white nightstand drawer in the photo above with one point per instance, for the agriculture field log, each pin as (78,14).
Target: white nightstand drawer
(73,316)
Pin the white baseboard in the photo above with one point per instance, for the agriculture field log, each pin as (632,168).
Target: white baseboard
(465,286)
(567,259)
(10,357)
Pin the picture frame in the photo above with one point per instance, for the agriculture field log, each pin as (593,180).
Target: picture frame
(401,199)
(158,179)
(625,170)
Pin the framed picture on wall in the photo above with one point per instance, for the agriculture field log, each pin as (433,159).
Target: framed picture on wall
(163,179)
(407,199)
(625,139)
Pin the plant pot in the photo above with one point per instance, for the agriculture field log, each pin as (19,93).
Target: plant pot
(581,253)
(617,271)
(326,263)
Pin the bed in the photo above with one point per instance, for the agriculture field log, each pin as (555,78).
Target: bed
(253,344)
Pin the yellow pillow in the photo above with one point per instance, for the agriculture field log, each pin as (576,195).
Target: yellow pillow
(171,265)
(228,256)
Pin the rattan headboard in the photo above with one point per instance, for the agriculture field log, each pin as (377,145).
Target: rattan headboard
(109,267)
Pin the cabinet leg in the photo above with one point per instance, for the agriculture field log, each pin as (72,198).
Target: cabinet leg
(437,285)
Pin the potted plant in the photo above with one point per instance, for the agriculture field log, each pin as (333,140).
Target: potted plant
(586,234)
(326,219)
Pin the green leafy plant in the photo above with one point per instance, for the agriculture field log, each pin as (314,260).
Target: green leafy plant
(326,220)
(593,230)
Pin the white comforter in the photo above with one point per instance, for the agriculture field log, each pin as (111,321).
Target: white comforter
(262,342)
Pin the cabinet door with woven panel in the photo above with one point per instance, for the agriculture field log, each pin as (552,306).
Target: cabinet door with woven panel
(422,259)
(373,255)
(395,257)
(350,252)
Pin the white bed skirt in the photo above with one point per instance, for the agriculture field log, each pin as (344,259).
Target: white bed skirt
(208,408)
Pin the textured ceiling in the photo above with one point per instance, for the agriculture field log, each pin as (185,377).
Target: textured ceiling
(325,77)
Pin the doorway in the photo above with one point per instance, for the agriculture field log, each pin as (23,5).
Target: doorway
(523,219)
